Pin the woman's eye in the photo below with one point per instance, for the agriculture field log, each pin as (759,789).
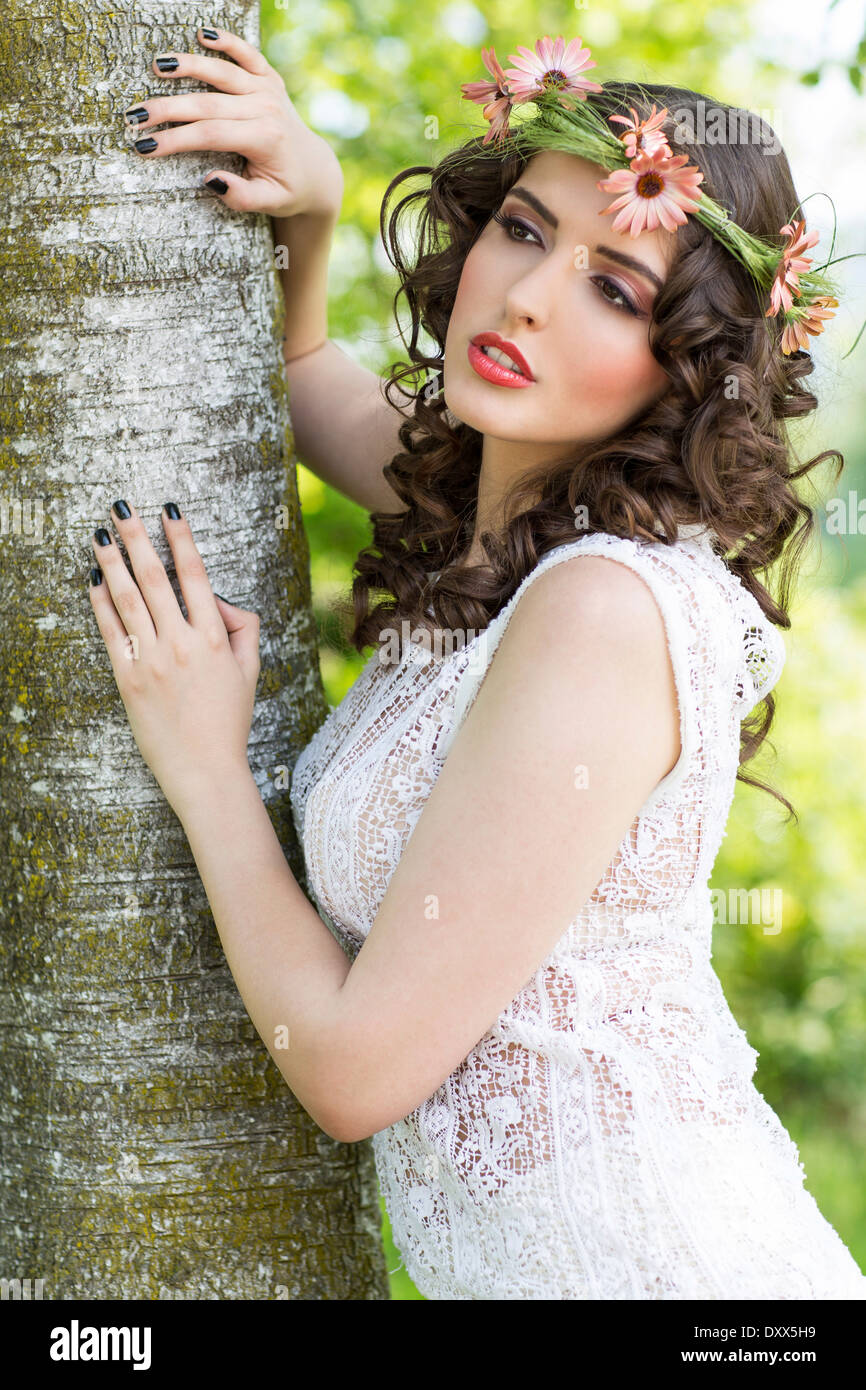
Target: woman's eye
(602,281)
(509,223)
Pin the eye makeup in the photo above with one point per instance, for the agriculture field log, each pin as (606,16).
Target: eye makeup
(626,304)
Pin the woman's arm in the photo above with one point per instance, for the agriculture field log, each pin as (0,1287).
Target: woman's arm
(507,848)
(345,429)
(510,843)
(505,852)
(188,686)
(287,965)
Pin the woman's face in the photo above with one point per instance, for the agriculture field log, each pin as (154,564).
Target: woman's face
(562,296)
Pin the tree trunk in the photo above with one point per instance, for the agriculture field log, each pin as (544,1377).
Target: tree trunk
(150,1147)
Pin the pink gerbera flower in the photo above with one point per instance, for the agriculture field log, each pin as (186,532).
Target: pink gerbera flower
(494,96)
(553,67)
(640,135)
(793,261)
(655,191)
(796,332)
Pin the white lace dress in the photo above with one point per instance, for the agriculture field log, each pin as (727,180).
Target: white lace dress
(604,1139)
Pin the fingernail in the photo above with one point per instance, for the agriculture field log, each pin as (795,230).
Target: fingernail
(217,184)
(167,64)
(210,33)
(96,575)
(172,511)
(121,508)
(225,600)
(136,115)
(145,144)
(103,537)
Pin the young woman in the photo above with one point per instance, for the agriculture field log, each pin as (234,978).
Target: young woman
(560,1100)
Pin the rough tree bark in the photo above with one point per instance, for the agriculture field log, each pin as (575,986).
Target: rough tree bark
(150,1148)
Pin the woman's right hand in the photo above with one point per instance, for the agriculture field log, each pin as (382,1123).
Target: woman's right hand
(289,169)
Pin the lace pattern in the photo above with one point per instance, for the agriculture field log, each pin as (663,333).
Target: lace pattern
(604,1138)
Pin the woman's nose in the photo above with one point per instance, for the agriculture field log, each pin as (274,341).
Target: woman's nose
(533,297)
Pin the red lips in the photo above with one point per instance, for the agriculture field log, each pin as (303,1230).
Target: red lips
(495,340)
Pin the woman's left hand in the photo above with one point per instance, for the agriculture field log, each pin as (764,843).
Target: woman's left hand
(188,685)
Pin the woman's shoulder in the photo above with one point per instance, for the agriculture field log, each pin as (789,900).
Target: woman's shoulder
(706,606)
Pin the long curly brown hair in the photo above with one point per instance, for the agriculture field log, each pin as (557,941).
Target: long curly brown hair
(701,454)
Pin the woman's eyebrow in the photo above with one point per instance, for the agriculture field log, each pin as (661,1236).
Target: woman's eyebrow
(631,262)
(520,192)
(612,254)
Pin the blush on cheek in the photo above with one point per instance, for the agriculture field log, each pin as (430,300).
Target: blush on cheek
(598,381)
(611,389)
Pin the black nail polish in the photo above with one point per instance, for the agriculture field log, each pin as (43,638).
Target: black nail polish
(145,144)
(136,115)
(217,184)
(172,511)
(167,64)
(122,509)
(225,600)
(96,575)
(103,537)
(210,33)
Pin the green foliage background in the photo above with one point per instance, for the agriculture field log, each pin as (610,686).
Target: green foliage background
(799,994)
